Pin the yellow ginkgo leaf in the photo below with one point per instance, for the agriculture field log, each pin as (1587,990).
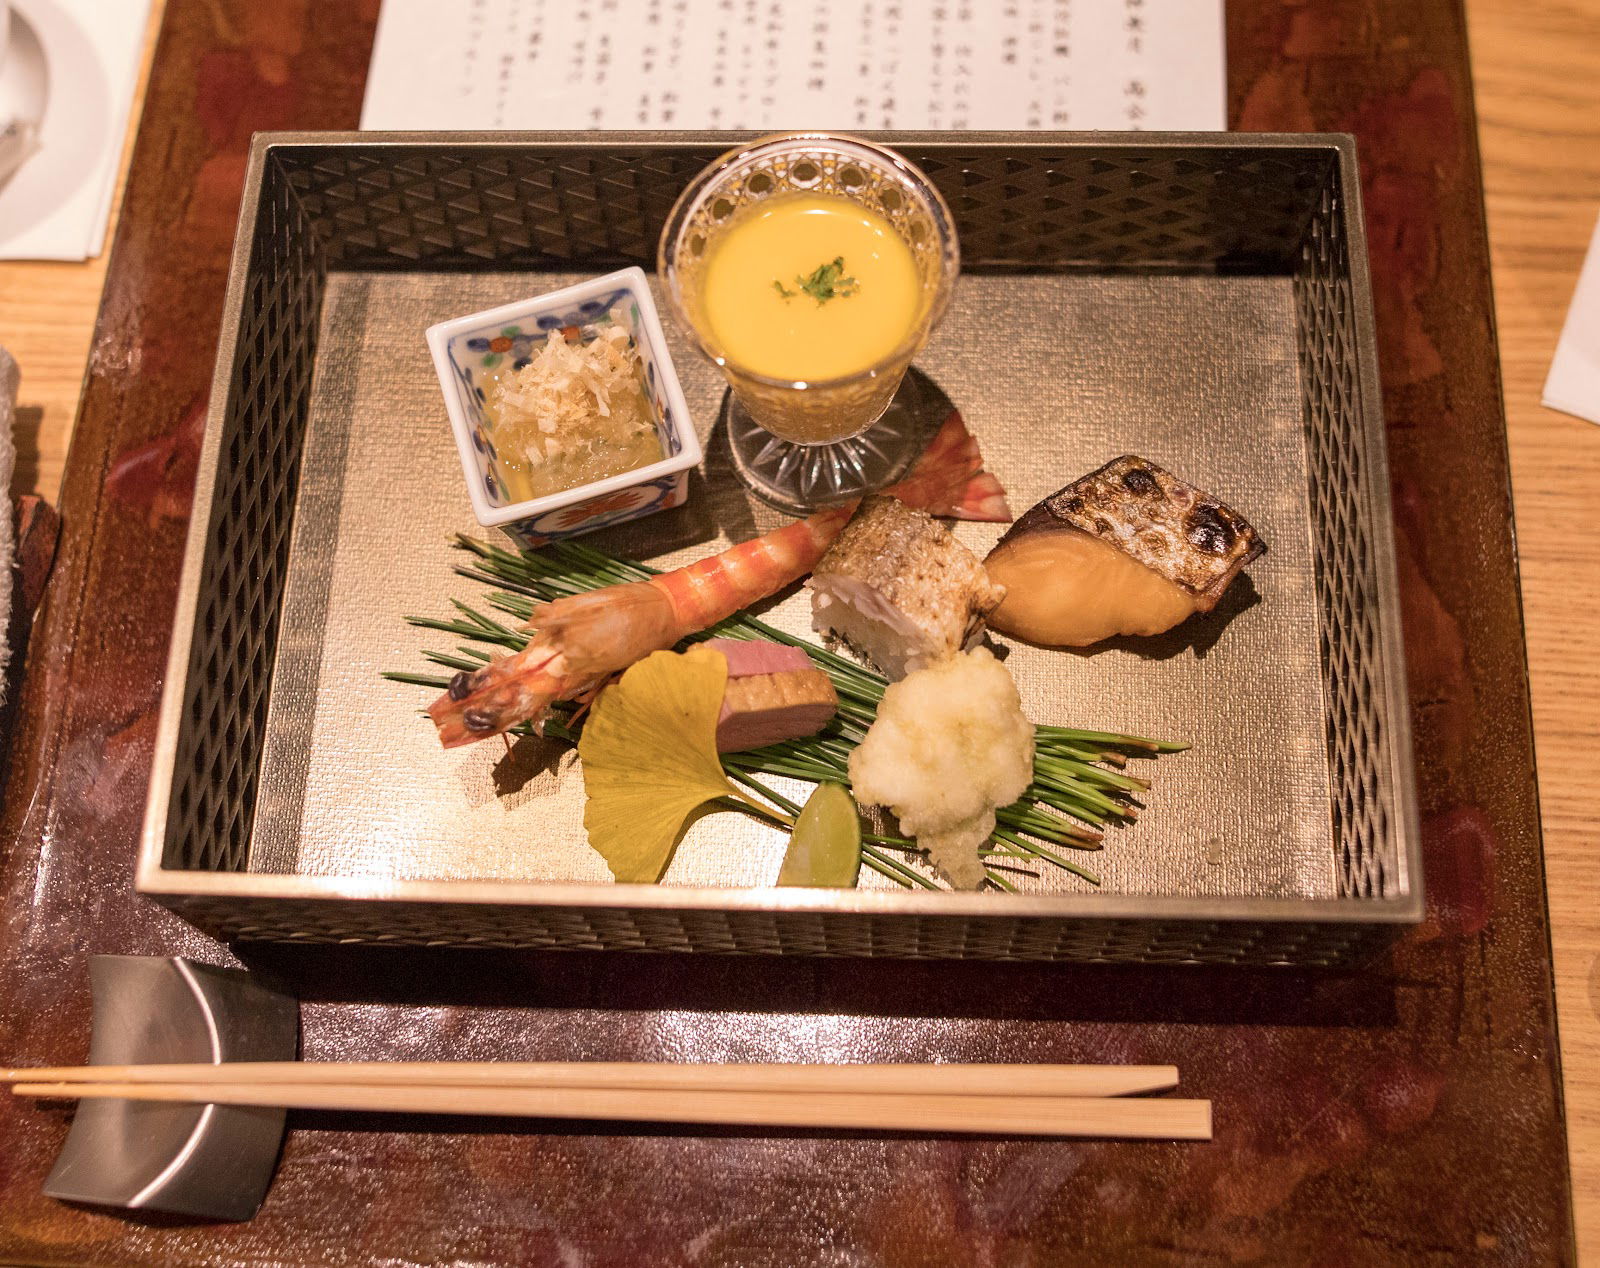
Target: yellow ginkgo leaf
(649,751)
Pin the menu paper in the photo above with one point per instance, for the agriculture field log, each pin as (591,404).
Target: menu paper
(538,65)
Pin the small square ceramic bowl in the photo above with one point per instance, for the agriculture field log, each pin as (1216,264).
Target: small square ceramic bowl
(465,349)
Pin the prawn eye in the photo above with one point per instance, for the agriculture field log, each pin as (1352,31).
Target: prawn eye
(460,686)
(478,720)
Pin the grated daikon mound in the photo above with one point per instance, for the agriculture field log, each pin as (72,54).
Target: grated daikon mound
(575,413)
(950,745)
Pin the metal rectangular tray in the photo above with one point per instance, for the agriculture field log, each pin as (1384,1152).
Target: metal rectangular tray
(1198,299)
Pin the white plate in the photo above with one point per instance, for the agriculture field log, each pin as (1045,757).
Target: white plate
(24,86)
(47,208)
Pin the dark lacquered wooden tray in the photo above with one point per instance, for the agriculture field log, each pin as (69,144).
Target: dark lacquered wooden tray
(1406,1113)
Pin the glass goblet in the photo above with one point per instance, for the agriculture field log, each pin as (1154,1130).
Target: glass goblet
(804,443)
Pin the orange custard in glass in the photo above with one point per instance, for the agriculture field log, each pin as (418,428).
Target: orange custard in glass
(808,287)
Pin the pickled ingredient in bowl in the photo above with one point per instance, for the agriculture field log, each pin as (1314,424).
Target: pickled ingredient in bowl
(809,287)
(825,849)
(576,413)
(1067,589)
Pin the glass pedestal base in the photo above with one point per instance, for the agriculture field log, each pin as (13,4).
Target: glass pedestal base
(800,479)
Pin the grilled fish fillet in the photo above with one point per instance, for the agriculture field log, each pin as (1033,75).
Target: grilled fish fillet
(900,589)
(1127,549)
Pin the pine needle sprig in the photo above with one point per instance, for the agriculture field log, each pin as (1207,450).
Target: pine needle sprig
(1080,785)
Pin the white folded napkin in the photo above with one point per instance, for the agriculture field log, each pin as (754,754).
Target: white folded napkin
(1574,383)
(70,67)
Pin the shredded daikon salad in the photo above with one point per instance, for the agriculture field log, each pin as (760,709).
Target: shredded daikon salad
(949,747)
(574,414)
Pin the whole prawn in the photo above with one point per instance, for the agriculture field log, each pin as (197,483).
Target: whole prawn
(580,641)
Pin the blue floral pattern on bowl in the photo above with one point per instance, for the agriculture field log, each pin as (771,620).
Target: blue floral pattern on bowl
(469,349)
(601,512)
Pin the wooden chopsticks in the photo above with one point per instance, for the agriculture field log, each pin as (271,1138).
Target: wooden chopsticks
(1055,1100)
(887,1079)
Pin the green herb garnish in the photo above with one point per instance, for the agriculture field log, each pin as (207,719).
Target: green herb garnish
(827,281)
(1077,775)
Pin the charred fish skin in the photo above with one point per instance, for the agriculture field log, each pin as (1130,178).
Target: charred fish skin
(899,587)
(1176,530)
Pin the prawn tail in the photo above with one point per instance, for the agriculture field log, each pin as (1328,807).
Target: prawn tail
(949,478)
(982,498)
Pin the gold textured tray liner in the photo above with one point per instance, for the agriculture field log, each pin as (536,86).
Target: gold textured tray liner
(1054,374)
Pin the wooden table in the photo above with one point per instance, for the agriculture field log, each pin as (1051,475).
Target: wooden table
(1536,67)
(1538,75)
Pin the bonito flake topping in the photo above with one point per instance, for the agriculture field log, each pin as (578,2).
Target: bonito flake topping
(574,414)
